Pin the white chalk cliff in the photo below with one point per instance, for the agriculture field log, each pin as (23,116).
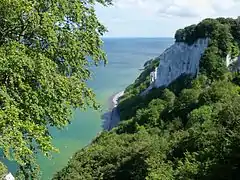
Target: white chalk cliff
(233,63)
(180,59)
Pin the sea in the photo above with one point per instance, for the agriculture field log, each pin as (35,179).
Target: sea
(126,56)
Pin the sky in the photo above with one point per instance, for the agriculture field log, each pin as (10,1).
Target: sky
(160,18)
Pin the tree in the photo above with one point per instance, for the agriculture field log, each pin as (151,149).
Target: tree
(212,64)
(200,115)
(3,170)
(179,35)
(220,91)
(111,157)
(151,115)
(186,102)
(46,48)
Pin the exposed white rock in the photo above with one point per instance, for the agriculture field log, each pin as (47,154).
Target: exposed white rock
(180,59)
(153,75)
(9,176)
(233,63)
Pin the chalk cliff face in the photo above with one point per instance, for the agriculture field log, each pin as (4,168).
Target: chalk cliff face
(233,63)
(179,59)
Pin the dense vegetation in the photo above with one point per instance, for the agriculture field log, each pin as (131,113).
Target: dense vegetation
(3,170)
(188,130)
(209,28)
(46,48)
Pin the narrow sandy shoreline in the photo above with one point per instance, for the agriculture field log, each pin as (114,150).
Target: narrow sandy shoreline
(112,118)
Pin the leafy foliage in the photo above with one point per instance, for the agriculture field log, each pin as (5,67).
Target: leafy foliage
(212,64)
(3,170)
(44,46)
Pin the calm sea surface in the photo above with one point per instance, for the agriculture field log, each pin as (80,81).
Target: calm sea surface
(125,57)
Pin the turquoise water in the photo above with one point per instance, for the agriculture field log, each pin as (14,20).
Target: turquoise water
(126,57)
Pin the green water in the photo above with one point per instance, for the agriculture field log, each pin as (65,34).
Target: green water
(125,57)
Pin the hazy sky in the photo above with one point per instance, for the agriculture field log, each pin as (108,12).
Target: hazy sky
(160,18)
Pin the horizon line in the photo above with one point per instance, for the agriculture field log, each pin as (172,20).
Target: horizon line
(135,37)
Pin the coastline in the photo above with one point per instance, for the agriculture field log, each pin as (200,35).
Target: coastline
(112,118)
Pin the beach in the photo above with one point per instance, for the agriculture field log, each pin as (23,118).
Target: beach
(112,118)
